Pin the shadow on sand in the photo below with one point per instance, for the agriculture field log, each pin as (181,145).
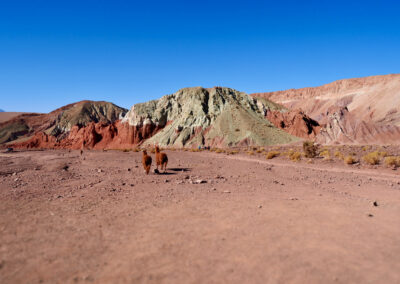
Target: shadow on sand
(180,169)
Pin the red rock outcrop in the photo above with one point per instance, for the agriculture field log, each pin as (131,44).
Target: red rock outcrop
(94,136)
(295,122)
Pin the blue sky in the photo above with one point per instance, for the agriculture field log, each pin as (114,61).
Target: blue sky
(56,52)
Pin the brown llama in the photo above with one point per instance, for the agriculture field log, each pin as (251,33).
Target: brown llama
(161,159)
(146,161)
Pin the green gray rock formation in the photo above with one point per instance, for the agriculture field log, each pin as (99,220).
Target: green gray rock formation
(212,117)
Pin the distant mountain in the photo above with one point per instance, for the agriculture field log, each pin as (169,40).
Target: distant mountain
(353,111)
(1,110)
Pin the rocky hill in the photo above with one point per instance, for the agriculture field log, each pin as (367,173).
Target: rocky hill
(59,122)
(213,117)
(362,110)
(191,117)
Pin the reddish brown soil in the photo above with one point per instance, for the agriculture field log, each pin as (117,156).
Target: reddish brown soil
(70,218)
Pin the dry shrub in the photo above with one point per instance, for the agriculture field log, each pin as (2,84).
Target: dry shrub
(295,156)
(372,158)
(136,150)
(272,154)
(383,154)
(310,150)
(234,152)
(126,150)
(339,155)
(365,148)
(392,161)
(326,154)
(219,151)
(250,153)
(259,151)
(349,160)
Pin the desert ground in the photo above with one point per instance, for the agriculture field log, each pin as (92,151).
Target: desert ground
(211,218)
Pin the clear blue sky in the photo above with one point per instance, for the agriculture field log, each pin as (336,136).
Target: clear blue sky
(57,52)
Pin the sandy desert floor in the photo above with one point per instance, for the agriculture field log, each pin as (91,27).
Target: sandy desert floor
(211,219)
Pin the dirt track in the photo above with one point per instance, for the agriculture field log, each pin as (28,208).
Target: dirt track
(253,221)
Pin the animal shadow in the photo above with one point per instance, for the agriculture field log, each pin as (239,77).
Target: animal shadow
(180,169)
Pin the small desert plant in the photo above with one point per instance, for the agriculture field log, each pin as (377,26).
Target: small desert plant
(383,154)
(272,154)
(250,153)
(310,150)
(339,155)
(295,156)
(219,151)
(259,151)
(234,152)
(349,160)
(392,161)
(365,148)
(326,154)
(135,150)
(372,158)
(126,150)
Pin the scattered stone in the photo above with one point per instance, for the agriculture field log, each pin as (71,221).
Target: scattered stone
(370,215)
(259,206)
(226,191)
(179,182)
(123,183)
(293,198)
(14,173)
(375,203)
(198,181)
(214,189)
(65,167)
(132,184)
(187,177)
(59,196)
(136,166)
(129,169)
(156,171)
(167,180)
(99,170)
(17,179)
